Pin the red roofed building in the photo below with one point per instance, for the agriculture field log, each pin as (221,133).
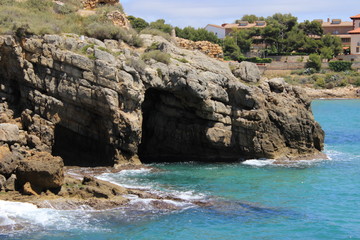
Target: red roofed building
(226,28)
(355,35)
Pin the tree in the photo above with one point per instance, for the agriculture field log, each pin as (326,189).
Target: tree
(251,18)
(243,38)
(333,42)
(231,49)
(193,34)
(311,28)
(161,25)
(295,40)
(314,62)
(277,27)
(327,53)
(138,23)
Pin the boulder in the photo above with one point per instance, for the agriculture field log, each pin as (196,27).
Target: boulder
(277,84)
(247,71)
(9,133)
(42,170)
(2,182)
(8,163)
(10,183)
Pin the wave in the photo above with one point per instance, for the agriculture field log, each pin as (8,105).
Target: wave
(282,163)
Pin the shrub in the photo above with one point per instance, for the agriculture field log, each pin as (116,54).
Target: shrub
(255,59)
(157,55)
(107,31)
(340,66)
(137,64)
(314,62)
(357,82)
(320,82)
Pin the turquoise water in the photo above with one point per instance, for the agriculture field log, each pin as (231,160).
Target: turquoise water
(255,200)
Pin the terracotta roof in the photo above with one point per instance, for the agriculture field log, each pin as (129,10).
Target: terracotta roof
(355,31)
(214,25)
(249,25)
(342,24)
(355,17)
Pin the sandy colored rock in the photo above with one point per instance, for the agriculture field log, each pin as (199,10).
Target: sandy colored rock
(9,132)
(42,171)
(8,162)
(27,190)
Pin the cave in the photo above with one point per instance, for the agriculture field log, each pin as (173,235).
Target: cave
(171,129)
(78,150)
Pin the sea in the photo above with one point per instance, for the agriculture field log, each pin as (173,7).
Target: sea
(255,199)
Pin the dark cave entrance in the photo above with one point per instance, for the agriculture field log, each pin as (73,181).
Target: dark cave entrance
(78,150)
(171,130)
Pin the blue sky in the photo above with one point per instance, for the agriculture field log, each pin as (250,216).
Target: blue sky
(198,13)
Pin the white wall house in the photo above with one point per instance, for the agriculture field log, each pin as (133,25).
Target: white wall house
(219,31)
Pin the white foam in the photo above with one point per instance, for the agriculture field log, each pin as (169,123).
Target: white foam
(283,163)
(32,218)
(259,163)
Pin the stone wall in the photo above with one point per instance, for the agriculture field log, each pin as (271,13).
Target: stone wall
(211,49)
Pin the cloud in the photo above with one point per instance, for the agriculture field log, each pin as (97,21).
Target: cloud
(199,13)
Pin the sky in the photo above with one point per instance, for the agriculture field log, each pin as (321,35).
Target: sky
(199,13)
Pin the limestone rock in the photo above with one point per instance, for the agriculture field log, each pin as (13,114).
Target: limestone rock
(42,171)
(119,109)
(2,182)
(91,4)
(9,132)
(8,161)
(27,190)
(10,183)
(246,71)
(119,19)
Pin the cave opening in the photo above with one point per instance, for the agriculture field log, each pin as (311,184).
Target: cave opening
(82,151)
(171,130)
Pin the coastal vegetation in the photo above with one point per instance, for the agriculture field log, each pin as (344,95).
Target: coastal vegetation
(48,17)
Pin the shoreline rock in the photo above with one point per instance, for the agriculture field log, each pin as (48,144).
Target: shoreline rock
(348,92)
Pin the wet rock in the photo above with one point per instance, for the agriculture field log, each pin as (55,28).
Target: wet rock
(42,171)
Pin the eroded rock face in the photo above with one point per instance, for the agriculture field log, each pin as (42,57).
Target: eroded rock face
(112,108)
(41,171)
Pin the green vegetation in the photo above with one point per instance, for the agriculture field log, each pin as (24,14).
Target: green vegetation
(156,55)
(324,79)
(340,66)
(314,62)
(48,17)
(183,60)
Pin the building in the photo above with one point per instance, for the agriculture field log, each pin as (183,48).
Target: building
(355,35)
(226,28)
(338,28)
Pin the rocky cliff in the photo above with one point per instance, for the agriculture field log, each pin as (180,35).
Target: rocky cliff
(97,103)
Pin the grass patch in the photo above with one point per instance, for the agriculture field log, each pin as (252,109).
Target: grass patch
(183,60)
(47,17)
(157,55)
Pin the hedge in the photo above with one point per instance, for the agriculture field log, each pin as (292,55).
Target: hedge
(340,66)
